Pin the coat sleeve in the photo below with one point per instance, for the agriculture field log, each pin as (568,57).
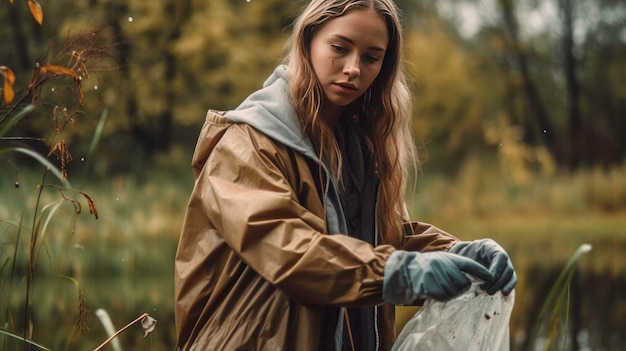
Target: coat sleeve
(248,199)
(424,237)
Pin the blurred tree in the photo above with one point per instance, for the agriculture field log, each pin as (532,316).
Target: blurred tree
(37,53)
(572,91)
(550,73)
(452,97)
(536,115)
(549,69)
(600,52)
(176,60)
(21,59)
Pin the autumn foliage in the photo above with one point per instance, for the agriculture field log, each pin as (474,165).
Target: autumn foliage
(9,76)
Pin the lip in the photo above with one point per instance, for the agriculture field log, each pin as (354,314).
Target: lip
(346,85)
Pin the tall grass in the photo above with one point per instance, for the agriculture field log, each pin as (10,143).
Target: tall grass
(40,218)
(554,312)
(123,262)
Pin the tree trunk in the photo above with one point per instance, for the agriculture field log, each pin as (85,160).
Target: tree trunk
(20,40)
(538,114)
(572,87)
(181,11)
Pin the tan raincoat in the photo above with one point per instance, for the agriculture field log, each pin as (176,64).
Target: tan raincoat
(256,268)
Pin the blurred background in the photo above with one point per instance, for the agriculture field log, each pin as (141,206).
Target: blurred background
(520,120)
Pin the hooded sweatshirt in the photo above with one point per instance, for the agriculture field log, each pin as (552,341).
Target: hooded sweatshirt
(270,112)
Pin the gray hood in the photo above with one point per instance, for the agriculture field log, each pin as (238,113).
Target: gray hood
(269,110)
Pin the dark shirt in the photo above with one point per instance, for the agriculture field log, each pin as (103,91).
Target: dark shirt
(359,186)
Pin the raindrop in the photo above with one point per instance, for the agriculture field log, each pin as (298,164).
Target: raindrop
(130,18)
(52,89)
(117,199)
(248,0)
(82,159)
(95,87)
(545,131)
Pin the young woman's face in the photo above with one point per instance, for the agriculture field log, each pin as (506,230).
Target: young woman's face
(347,54)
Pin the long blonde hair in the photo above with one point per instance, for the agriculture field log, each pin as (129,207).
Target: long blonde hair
(383,113)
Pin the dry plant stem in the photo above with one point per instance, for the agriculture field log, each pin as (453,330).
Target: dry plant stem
(31,262)
(119,332)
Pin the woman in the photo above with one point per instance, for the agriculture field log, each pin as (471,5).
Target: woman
(296,235)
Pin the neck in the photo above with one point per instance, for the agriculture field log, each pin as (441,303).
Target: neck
(331,114)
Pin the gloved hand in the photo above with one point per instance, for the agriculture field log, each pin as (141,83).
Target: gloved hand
(441,275)
(491,255)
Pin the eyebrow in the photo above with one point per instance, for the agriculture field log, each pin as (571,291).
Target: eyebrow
(344,38)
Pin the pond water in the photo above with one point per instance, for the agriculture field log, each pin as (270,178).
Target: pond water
(596,314)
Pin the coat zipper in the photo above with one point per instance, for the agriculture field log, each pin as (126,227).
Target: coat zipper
(376,333)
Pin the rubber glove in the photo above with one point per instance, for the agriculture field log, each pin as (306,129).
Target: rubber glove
(441,275)
(491,255)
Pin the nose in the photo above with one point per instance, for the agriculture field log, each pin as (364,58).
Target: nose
(352,67)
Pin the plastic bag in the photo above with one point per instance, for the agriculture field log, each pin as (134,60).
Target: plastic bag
(472,321)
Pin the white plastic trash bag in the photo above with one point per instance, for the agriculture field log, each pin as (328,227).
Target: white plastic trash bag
(470,322)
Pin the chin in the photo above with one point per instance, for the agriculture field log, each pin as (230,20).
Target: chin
(341,102)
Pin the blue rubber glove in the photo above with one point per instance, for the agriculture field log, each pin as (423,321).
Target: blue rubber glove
(491,255)
(413,275)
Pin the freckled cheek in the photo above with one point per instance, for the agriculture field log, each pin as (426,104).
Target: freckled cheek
(333,62)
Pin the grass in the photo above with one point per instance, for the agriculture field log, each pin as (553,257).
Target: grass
(557,301)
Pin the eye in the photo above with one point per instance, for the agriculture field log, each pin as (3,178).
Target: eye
(371,58)
(338,48)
